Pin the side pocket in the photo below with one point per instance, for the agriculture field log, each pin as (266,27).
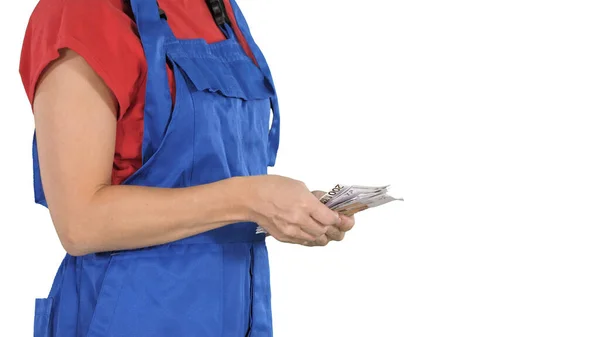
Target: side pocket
(43,310)
(107,298)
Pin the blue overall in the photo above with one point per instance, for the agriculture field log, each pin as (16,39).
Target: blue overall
(213,284)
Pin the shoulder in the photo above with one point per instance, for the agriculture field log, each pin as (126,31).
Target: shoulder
(100,31)
(104,20)
(63,14)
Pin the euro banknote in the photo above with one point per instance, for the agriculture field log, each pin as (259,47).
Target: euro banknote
(351,199)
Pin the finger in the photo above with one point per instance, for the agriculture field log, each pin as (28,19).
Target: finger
(294,234)
(323,215)
(300,235)
(335,234)
(318,194)
(308,243)
(321,241)
(346,223)
(280,236)
(312,227)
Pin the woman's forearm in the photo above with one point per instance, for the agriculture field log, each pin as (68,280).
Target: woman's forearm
(127,217)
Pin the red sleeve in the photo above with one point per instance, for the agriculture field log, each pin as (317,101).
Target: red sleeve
(98,30)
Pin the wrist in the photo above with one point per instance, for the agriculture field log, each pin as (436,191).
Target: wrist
(243,197)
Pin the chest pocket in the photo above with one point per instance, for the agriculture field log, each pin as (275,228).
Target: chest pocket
(231,103)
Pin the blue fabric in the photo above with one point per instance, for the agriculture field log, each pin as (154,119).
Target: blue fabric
(213,284)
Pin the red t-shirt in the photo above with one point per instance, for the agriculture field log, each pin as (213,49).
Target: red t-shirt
(104,34)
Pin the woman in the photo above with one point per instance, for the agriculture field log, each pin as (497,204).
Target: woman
(152,143)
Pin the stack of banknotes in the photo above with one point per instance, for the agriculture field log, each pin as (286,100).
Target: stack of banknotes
(349,200)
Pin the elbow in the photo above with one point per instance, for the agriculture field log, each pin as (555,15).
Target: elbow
(73,242)
(78,226)
(72,237)
(73,246)
(77,219)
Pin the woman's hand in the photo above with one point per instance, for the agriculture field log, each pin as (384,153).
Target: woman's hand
(334,233)
(288,210)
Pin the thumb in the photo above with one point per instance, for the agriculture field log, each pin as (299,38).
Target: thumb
(318,194)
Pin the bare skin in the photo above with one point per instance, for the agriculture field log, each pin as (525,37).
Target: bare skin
(75,124)
(334,233)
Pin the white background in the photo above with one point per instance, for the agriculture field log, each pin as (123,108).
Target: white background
(483,115)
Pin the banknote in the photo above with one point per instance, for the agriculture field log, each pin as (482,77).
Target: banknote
(351,199)
(363,204)
(341,193)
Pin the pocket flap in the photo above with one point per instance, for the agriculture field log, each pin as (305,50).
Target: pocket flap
(43,309)
(43,306)
(237,78)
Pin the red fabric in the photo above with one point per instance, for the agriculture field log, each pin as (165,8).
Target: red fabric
(104,34)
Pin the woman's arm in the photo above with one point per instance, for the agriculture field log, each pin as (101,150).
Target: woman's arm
(75,124)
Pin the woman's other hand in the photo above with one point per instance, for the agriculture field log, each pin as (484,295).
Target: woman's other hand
(334,233)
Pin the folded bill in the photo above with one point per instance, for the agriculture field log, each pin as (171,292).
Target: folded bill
(361,205)
(341,193)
